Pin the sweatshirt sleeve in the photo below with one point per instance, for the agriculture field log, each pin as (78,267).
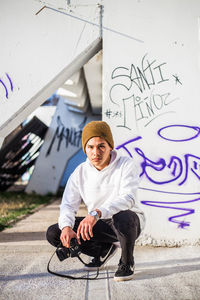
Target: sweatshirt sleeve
(70,202)
(127,196)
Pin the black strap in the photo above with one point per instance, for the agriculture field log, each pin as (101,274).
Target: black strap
(68,276)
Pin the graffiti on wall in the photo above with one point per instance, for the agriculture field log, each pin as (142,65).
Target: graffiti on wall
(139,94)
(66,135)
(176,169)
(139,86)
(6,85)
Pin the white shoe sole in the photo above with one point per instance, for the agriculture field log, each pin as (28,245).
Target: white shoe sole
(124,278)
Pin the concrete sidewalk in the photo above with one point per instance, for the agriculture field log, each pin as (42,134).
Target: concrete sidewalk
(161,273)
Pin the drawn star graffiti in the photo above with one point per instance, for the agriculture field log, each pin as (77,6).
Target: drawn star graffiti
(177,80)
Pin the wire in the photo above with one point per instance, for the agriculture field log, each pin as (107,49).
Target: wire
(94,24)
(68,276)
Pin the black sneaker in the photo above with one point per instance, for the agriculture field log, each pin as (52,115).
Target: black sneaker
(124,272)
(99,262)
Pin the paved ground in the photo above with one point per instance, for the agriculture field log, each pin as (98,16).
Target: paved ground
(161,273)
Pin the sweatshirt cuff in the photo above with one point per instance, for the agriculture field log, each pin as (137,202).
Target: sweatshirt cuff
(105,214)
(61,225)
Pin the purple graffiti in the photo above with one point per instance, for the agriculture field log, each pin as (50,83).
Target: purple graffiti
(11,84)
(130,141)
(148,166)
(175,166)
(5,86)
(194,136)
(174,169)
(171,205)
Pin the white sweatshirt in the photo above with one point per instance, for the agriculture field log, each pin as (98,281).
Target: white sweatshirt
(111,190)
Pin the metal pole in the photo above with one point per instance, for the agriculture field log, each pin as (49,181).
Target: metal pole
(101,20)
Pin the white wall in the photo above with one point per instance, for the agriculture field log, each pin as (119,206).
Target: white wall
(151,83)
(150,90)
(39,51)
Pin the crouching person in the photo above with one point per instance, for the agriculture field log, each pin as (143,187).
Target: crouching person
(107,183)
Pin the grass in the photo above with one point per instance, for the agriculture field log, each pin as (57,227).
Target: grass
(14,205)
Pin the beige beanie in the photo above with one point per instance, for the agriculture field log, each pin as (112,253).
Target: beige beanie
(97,129)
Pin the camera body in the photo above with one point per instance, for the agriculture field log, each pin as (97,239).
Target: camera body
(63,252)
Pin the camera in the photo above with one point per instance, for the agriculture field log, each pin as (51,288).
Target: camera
(63,252)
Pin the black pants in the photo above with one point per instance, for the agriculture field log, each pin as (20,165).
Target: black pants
(123,227)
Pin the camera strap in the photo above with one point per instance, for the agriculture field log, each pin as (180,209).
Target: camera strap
(69,276)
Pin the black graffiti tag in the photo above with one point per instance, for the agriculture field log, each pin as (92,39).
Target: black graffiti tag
(135,92)
(69,135)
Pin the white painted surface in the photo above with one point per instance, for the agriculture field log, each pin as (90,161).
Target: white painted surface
(94,83)
(75,93)
(40,52)
(151,80)
(44,113)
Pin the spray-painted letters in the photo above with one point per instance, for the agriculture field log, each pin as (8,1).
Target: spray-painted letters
(136,90)
(175,169)
(69,135)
